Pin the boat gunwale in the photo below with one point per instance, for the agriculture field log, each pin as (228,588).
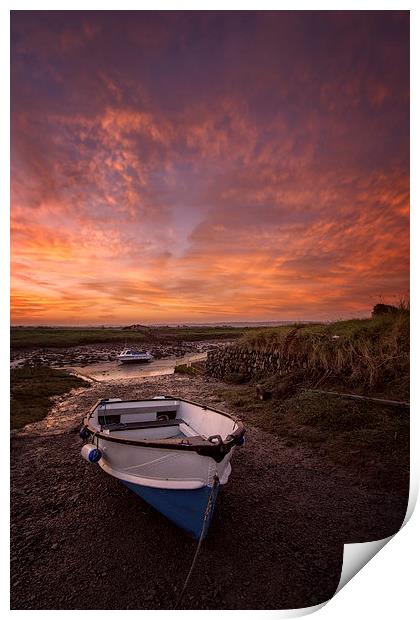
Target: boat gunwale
(160,399)
(217,451)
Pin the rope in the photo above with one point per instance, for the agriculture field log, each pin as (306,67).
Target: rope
(92,439)
(380,401)
(203,530)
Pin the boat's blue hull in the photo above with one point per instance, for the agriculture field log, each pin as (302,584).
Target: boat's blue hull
(185,508)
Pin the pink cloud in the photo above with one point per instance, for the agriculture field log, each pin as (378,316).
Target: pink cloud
(162,171)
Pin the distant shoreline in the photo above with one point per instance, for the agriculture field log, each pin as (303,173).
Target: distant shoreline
(139,335)
(173,325)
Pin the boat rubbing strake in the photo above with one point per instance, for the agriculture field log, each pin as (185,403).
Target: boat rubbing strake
(169,451)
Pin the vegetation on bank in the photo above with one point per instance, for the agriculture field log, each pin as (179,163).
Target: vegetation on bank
(371,354)
(184,369)
(32,390)
(370,439)
(29,337)
(193,368)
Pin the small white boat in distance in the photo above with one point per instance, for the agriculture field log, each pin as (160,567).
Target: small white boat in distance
(129,355)
(171,452)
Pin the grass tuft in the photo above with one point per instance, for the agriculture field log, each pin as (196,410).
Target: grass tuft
(32,390)
(183,369)
(359,352)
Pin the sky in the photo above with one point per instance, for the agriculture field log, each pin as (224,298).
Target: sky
(208,166)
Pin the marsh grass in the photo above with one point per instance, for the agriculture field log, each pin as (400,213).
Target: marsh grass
(32,390)
(183,369)
(28,337)
(370,439)
(359,352)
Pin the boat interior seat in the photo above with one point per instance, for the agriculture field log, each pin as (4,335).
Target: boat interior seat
(123,426)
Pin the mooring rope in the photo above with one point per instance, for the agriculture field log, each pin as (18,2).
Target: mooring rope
(203,531)
(372,399)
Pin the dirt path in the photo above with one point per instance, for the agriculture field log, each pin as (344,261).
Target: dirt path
(82,540)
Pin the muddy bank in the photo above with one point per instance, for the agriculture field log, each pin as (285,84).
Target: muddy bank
(275,542)
(115,371)
(85,355)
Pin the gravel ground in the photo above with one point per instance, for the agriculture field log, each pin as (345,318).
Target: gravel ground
(81,540)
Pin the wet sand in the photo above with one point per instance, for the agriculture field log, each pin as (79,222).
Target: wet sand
(81,540)
(115,371)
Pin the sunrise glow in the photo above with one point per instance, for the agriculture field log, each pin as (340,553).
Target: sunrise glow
(208,166)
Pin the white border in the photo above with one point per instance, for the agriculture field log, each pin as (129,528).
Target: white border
(387,586)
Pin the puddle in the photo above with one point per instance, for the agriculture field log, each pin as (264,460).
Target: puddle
(113,371)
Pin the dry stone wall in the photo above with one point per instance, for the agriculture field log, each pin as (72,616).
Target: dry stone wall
(237,361)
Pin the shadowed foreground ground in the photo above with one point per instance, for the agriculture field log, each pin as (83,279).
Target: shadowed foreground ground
(81,540)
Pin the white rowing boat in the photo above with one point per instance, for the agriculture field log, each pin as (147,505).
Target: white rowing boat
(171,452)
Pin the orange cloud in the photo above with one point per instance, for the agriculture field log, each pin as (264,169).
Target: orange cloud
(163,173)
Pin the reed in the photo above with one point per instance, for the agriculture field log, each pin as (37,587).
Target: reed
(359,352)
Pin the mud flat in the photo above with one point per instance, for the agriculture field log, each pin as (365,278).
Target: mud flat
(111,371)
(275,541)
(89,354)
